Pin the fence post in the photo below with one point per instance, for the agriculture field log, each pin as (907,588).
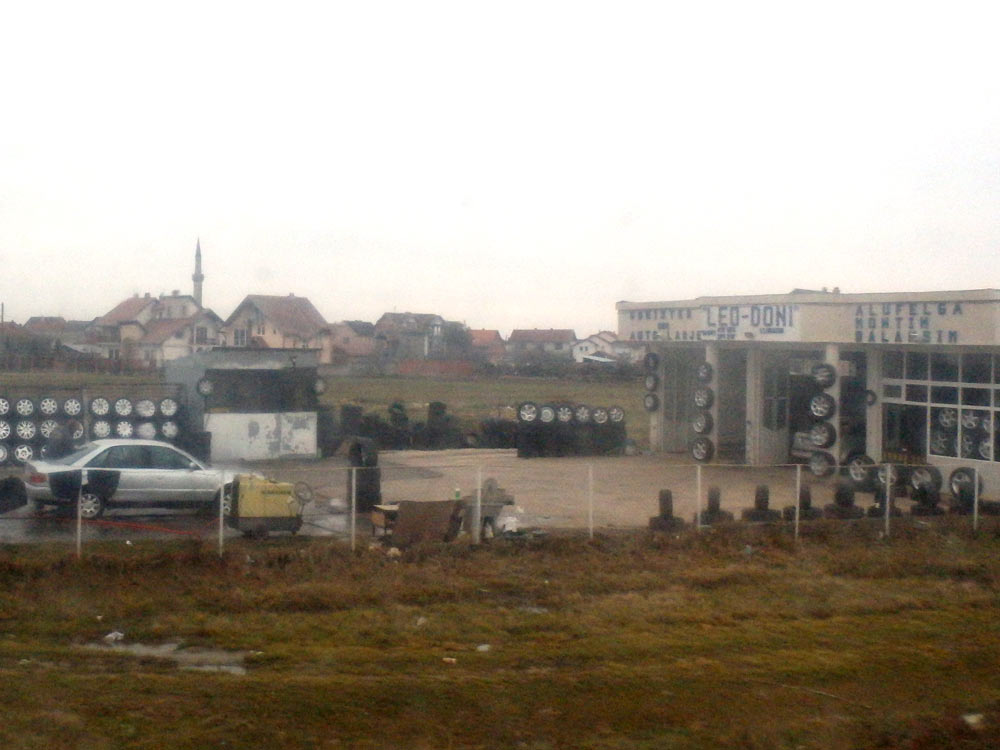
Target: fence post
(354,503)
(222,510)
(888,495)
(477,516)
(79,515)
(697,499)
(975,499)
(798,497)
(590,500)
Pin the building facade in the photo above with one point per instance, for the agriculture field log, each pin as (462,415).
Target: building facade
(835,379)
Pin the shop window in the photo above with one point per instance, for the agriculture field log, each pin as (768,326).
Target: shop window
(944,394)
(917,393)
(977,435)
(996,369)
(944,431)
(944,366)
(976,368)
(975,397)
(893,365)
(916,366)
(904,431)
(892,391)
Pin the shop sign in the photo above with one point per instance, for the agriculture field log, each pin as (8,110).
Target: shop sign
(728,322)
(908,323)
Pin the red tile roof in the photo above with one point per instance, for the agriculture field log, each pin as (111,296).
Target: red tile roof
(542,336)
(125,311)
(484,337)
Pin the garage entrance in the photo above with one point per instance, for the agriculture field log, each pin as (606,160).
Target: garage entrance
(732,405)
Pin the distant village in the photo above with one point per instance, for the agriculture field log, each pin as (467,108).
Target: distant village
(145,331)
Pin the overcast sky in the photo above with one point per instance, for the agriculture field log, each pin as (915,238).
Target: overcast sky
(509,165)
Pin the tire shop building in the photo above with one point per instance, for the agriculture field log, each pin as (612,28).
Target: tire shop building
(829,379)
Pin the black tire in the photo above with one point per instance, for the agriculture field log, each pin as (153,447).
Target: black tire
(48,406)
(948,418)
(960,483)
(702,449)
(145,430)
(600,415)
(22,453)
(72,407)
(704,373)
(5,430)
(92,505)
(985,449)
(5,406)
(26,430)
(46,427)
(145,408)
(823,434)
(24,407)
(616,414)
(897,475)
(123,407)
(100,406)
(704,397)
(527,412)
(702,423)
(100,428)
(861,470)
(169,430)
(4,454)
(547,414)
(205,387)
(169,407)
(564,413)
(651,381)
(651,361)
(925,476)
(822,406)
(651,402)
(824,374)
(124,429)
(821,464)
(582,414)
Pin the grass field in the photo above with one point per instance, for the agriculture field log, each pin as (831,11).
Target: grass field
(472,400)
(734,638)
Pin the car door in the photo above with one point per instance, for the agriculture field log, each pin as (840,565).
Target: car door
(180,478)
(131,462)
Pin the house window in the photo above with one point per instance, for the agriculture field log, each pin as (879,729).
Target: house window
(239,337)
(201,335)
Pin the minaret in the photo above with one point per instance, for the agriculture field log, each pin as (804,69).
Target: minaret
(198,276)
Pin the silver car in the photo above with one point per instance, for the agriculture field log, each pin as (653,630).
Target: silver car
(125,473)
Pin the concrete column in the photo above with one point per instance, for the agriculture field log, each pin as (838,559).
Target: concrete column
(755,403)
(832,357)
(873,414)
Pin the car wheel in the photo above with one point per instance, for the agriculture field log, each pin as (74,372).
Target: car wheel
(704,397)
(822,406)
(169,430)
(26,429)
(564,413)
(72,407)
(651,361)
(616,414)
(23,453)
(205,387)
(704,372)
(895,474)
(969,419)
(227,501)
(702,423)
(823,435)
(48,406)
(651,381)
(960,482)
(925,477)
(4,454)
(985,449)
(824,374)
(651,402)
(582,414)
(91,505)
(600,415)
(821,464)
(100,406)
(4,407)
(5,429)
(948,418)
(101,428)
(168,407)
(547,414)
(123,407)
(24,407)
(146,430)
(145,408)
(527,412)
(77,431)
(124,429)
(702,449)
(47,427)
(860,470)
(942,443)
(969,445)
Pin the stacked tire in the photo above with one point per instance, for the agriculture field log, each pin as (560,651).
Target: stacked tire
(26,424)
(823,409)
(563,429)
(145,418)
(703,423)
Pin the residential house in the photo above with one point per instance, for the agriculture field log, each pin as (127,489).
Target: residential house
(596,348)
(421,336)
(557,342)
(275,322)
(488,345)
(349,341)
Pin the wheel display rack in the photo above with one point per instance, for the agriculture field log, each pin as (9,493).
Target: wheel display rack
(29,415)
(562,429)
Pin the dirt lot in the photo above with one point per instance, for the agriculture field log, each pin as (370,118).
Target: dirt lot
(555,492)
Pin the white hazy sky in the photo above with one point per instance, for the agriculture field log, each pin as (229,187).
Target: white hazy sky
(509,165)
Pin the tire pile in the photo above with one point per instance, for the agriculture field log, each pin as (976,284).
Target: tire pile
(568,429)
(27,423)
(822,409)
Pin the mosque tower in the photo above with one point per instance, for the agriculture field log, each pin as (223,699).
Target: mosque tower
(198,276)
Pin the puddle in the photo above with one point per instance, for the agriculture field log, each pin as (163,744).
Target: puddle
(196,659)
